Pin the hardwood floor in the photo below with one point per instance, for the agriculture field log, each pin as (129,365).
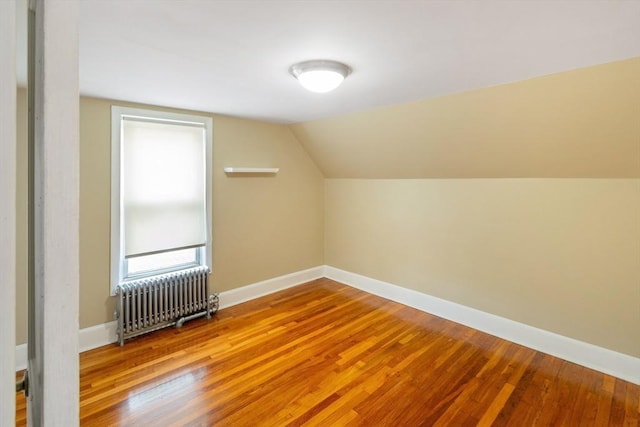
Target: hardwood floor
(326,354)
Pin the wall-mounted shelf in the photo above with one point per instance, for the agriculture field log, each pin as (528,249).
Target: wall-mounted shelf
(250,170)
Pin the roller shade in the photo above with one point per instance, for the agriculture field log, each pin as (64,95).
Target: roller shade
(162,185)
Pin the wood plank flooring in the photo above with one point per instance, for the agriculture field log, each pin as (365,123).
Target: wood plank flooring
(327,354)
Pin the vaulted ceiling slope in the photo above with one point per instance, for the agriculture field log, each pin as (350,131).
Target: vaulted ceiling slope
(232,57)
(578,124)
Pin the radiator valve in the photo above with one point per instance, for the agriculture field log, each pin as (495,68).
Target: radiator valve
(214,303)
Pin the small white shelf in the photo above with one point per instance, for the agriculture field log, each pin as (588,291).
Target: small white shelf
(229,169)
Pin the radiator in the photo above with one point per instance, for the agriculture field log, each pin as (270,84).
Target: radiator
(149,304)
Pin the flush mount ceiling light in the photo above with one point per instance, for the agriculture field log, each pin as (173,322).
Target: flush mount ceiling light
(320,75)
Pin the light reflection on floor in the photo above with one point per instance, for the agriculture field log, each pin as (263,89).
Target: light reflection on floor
(181,383)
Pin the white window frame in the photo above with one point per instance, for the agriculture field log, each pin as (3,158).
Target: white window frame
(118,261)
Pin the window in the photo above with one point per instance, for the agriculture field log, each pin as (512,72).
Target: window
(160,193)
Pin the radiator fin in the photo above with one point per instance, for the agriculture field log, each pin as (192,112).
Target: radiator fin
(156,302)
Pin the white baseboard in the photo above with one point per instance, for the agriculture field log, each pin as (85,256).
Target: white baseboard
(88,339)
(99,335)
(266,287)
(591,356)
(21,357)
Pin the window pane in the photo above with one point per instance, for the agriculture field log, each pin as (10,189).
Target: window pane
(163,186)
(165,260)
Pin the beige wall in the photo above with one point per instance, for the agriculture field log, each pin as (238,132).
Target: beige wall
(577,124)
(558,254)
(263,227)
(559,250)
(539,217)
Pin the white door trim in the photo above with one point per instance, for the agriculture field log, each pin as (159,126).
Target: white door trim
(53,342)
(8,89)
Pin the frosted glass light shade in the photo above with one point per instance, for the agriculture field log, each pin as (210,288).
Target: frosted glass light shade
(320,81)
(163,191)
(320,76)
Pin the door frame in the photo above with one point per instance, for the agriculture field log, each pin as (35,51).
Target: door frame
(8,88)
(53,314)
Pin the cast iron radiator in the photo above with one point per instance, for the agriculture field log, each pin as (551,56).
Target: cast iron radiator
(149,304)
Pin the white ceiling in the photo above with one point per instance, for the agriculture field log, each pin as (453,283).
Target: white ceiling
(232,57)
